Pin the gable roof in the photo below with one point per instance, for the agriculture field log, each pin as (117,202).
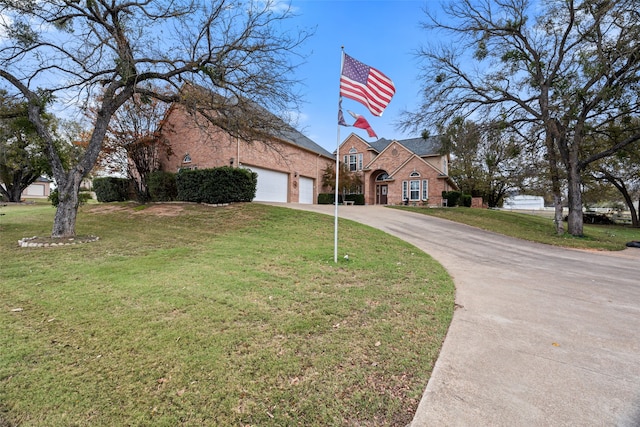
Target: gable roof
(279,129)
(295,137)
(422,147)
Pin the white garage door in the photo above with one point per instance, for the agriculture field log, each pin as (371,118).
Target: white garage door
(306,190)
(35,190)
(272,185)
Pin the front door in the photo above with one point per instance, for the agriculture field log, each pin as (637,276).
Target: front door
(381,194)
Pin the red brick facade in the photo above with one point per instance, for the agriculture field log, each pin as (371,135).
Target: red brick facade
(197,146)
(394,174)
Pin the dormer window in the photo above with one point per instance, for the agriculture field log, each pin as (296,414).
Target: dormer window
(186,158)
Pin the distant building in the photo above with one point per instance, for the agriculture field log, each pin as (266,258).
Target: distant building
(523,202)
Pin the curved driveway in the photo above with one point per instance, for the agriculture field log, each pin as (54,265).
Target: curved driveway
(541,336)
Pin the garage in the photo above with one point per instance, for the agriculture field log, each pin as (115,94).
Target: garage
(272,185)
(306,190)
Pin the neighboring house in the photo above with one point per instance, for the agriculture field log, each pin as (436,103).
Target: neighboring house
(289,167)
(399,171)
(40,189)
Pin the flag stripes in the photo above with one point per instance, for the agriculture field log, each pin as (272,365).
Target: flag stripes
(366,85)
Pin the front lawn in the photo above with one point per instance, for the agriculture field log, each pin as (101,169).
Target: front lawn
(193,315)
(536,228)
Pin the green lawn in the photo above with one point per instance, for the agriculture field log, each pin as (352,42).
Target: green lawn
(536,228)
(230,316)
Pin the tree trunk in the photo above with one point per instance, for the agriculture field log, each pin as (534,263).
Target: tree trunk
(64,222)
(556,188)
(575,219)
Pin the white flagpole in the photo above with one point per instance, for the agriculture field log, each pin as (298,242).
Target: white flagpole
(335,219)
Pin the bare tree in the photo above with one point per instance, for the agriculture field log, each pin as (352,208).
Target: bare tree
(66,53)
(133,141)
(557,65)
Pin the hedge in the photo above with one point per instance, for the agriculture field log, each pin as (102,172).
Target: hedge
(217,185)
(162,186)
(111,189)
(328,198)
(357,199)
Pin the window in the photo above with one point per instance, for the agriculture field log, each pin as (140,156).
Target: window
(353,161)
(414,190)
(382,177)
(186,158)
(414,174)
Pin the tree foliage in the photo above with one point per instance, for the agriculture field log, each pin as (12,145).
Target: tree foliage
(133,142)
(622,169)
(348,181)
(69,53)
(21,158)
(566,67)
(486,160)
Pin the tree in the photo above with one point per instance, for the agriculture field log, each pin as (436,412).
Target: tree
(556,65)
(622,170)
(133,142)
(486,160)
(348,181)
(219,57)
(21,157)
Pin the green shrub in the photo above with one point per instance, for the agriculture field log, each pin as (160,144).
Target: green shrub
(466,200)
(54,197)
(452,197)
(328,198)
(217,185)
(162,186)
(357,199)
(111,189)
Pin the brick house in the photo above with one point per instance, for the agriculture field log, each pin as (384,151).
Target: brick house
(399,171)
(289,167)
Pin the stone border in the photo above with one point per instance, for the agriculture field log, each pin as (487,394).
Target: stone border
(28,242)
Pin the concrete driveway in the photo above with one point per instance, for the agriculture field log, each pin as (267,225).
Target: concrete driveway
(541,336)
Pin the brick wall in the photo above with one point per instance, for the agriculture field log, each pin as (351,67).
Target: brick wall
(208,147)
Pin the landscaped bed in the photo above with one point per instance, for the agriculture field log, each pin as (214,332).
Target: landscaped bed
(186,314)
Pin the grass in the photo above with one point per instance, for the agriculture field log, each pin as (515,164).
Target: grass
(536,228)
(194,315)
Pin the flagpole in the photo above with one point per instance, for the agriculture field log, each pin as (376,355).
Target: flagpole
(335,219)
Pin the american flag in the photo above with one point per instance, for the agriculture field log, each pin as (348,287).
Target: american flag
(366,85)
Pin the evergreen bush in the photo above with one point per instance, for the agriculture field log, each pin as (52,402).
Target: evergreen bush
(218,185)
(357,199)
(110,189)
(162,186)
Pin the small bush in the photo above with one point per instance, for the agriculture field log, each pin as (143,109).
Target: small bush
(217,185)
(328,198)
(357,199)
(466,200)
(162,186)
(54,197)
(452,197)
(111,189)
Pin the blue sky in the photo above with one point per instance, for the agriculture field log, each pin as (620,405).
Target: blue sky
(383,34)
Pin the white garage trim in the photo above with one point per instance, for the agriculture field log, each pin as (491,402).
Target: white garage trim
(306,190)
(272,185)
